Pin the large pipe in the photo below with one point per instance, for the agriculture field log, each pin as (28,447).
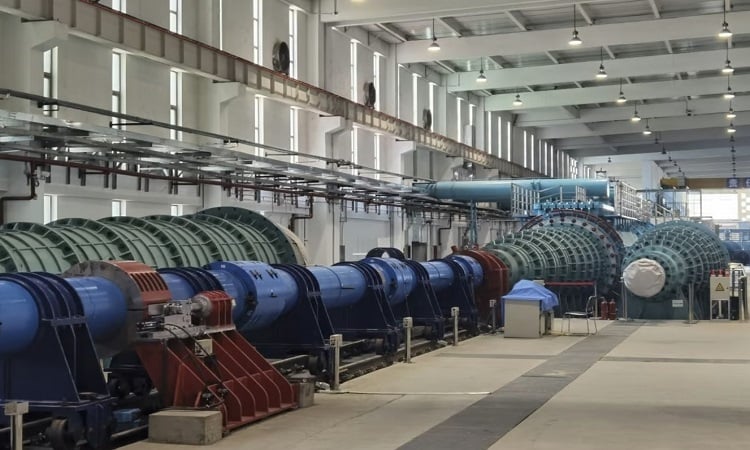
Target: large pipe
(501,191)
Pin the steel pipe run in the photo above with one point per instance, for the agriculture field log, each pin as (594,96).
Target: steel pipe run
(664,261)
(501,191)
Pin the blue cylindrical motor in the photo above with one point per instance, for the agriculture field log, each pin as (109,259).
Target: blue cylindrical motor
(262,293)
(398,278)
(103,301)
(339,285)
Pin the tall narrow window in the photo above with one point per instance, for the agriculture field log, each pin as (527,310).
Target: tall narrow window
(355,150)
(175,102)
(258,124)
(509,138)
(532,155)
(552,158)
(258,32)
(293,42)
(499,137)
(376,78)
(176,209)
(49,86)
(220,7)
(415,98)
(118,208)
(398,90)
(294,134)
(525,149)
(118,85)
(119,5)
(376,154)
(546,158)
(353,70)
(431,103)
(459,121)
(472,118)
(175,16)
(50,208)
(488,121)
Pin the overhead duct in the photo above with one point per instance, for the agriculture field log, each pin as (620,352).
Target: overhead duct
(501,191)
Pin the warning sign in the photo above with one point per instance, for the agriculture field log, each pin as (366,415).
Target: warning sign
(719,288)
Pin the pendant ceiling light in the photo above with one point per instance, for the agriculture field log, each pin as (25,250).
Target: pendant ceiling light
(636,118)
(647,130)
(481,78)
(434,47)
(729,94)
(621,99)
(517,101)
(601,74)
(731,114)
(727,69)
(725,33)
(575,41)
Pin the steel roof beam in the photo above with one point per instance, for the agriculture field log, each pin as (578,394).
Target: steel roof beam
(451,24)
(584,71)
(361,13)
(606,94)
(628,127)
(554,117)
(593,36)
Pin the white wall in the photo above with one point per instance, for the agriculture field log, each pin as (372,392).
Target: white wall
(84,76)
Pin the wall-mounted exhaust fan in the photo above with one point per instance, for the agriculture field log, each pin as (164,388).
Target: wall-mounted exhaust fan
(371,94)
(281,57)
(427,119)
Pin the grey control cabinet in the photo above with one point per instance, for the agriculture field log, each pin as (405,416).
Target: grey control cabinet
(523,319)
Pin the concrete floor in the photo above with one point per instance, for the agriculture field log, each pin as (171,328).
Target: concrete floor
(667,385)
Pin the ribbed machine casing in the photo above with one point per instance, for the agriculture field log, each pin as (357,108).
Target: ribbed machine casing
(687,252)
(217,234)
(566,247)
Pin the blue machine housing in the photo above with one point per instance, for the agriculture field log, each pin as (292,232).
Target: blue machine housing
(47,338)
(50,326)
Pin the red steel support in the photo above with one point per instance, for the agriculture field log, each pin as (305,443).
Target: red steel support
(235,378)
(495,283)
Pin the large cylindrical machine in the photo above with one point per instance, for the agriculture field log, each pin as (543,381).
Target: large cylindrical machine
(50,326)
(664,261)
(566,247)
(229,234)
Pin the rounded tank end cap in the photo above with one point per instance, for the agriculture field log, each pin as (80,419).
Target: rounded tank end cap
(644,277)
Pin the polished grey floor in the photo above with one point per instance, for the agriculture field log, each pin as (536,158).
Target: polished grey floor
(661,385)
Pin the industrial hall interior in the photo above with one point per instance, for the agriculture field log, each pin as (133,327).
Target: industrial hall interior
(374,224)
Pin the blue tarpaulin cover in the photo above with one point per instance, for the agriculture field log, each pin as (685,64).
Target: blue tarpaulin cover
(529,290)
